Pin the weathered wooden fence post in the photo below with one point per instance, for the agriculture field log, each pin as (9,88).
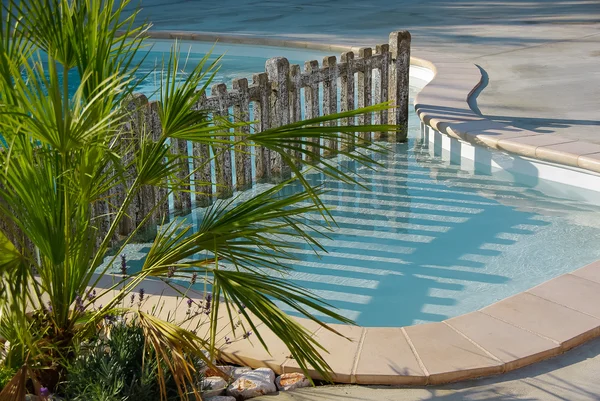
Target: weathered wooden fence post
(398,94)
(241,113)
(347,96)
(364,89)
(126,150)
(330,99)
(183,199)
(296,103)
(147,199)
(130,141)
(202,167)
(161,198)
(222,153)
(261,109)
(381,89)
(311,97)
(278,70)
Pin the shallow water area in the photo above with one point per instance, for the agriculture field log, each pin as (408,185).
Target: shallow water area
(427,241)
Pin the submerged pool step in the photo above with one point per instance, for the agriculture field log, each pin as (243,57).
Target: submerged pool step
(373,194)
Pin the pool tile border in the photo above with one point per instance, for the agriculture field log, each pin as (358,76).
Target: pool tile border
(537,324)
(515,332)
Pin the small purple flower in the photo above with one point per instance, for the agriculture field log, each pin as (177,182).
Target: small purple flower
(247,334)
(227,340)
(189,302)
(141,294)
(123,266)
(132,298)
(44,392)
(91,295)
(79,303)
(207,304)
(193,279)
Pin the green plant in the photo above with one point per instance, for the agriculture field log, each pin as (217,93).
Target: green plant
(117,366)
(6,373)
(63,155)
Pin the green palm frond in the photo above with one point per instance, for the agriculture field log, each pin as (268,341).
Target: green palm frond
(239,289)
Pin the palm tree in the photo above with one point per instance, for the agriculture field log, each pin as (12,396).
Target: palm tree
(63,154)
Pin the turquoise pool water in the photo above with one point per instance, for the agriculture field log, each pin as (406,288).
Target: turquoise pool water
(427,241)
(237,61)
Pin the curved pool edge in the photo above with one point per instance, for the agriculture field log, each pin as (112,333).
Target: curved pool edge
(532,326)
(526,328)
(529,327)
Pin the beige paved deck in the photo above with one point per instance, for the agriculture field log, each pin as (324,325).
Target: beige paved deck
(540,323)
(443,105)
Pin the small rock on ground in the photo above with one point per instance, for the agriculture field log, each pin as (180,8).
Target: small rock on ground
(237,372)
(291,381)
(214,385)
(253,384)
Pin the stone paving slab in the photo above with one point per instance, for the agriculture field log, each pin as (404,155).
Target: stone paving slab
(342,353)
(545,318)
(448,356)
(387,356)
(514,346)
(569,377)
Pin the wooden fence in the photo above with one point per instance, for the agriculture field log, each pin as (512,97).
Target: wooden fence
(275,98)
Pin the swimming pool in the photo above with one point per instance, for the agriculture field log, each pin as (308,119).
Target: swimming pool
(430,240)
